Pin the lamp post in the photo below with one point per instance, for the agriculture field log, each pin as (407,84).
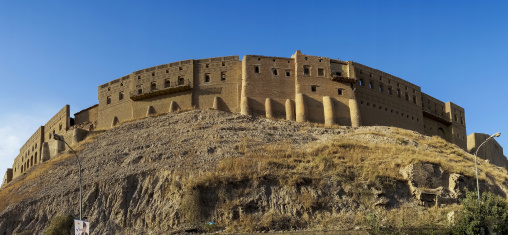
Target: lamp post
(59,137)
(476,166)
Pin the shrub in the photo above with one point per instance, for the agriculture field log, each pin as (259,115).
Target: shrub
(491,215)
(61,224)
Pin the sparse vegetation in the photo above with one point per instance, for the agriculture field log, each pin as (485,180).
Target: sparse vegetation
(60,225)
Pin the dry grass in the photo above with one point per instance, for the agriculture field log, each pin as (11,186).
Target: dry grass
(9,194)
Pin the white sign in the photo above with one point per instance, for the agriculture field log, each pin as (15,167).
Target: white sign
(81,227)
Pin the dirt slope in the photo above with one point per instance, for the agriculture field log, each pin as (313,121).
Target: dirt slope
(178,171)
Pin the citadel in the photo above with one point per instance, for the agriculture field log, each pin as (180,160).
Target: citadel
(302,88)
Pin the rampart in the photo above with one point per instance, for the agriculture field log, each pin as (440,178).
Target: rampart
(300,88)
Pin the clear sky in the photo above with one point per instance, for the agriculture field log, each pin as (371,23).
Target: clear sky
(54,53)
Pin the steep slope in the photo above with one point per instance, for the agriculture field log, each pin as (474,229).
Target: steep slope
(181,170)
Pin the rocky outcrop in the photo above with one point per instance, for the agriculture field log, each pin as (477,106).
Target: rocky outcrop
(146,177)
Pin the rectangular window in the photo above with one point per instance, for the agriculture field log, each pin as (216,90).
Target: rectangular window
(153,86)
(288,73)
(140,90)
(320,72)
(207,78)
(256,69)
(181,80)
(167,83)
(313,88)
(306,70)
(120,96)
(223,76)
(108,100)
(339,91)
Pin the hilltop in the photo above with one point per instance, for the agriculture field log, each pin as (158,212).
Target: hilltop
(176,172)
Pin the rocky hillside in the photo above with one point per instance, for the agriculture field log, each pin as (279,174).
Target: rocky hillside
(179,171)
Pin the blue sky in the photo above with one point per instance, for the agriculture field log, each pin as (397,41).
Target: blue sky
(54,53)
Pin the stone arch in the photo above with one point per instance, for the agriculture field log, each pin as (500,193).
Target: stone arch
(115,121)
(441,133)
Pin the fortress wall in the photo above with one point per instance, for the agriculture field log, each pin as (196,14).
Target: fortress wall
(88,115)
(154,79)
(7,177)
(314,80)
(458,127)
(58,124)
(118,93)
(433,127)
(434,106)
(29,154)
(268,77)
(218,77)
(491,150)
(387,100)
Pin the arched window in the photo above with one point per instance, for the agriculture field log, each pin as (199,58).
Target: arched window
(223,76)
(361,82)
(371,85)
(381,88)
(120,95)
(167,83)
(153,86)
(207,77)
(275,72)
(108,100)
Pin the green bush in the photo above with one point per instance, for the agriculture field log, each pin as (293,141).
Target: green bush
(491,216)
(60,225)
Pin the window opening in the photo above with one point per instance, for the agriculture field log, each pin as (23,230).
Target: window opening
(181,81)
(207,78)
(320,72)
(338,74)
(256,69)
(407,97)
(140,90)
(381,88)
(339,91)
(108,100)
(288,73)
(371,85)
(398,93)
(390,90)
(313,88)
(275,72)
(223,76)
(153,86)
(167,83)
(414,100)
(153,74)
(361,82)
(120,96)
(223,64)
(306,70)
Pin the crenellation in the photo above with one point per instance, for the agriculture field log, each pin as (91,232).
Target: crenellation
(299,88)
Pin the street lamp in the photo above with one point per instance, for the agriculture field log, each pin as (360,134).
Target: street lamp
(59,137)
(475,163)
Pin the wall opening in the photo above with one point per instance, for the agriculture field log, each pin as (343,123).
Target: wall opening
(181,80)
(207,78)
(120,96)
(361,82)
(398,93)
(320,72)
(313,88)
(381,88)
(140,90)
(407,97)
(223,76)
(108,100)
(390,90)
(339,91)
(306,70)
(288,73)
(371,85)
(256,69)
(274,71)
(167,83)
(153,86)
